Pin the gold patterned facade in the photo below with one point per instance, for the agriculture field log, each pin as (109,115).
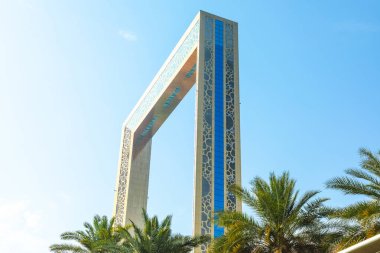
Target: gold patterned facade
(207,56)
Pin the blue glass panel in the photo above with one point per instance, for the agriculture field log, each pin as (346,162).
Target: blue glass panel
(219,126)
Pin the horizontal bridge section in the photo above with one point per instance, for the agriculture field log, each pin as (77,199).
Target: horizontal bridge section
(166,103)
(177,63)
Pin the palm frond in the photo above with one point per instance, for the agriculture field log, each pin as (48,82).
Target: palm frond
(359,173)
(99,236)
(370,161)
(283,221)
(351,186)
(61,248)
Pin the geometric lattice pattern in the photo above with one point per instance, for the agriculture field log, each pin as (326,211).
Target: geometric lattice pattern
(207,56)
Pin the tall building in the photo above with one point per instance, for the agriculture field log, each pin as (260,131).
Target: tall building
(207,56)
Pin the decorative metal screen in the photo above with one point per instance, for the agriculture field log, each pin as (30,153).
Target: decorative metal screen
(206,55)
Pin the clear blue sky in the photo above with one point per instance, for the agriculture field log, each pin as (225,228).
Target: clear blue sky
(71,71)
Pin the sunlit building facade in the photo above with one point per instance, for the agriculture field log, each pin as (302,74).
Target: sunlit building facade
(207,56)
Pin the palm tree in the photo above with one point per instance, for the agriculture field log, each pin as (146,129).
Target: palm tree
(156,237)
(283,221)
(96,238)
(363,218)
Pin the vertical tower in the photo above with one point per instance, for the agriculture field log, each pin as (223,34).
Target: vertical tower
(207,54)
(218,128)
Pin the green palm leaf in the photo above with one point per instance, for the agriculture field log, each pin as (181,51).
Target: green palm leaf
(361,219)
(283,221)
(96,238)
(156,237)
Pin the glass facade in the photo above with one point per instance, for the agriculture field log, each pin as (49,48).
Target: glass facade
(219,125)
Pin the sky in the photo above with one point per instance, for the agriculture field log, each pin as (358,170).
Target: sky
(71,71)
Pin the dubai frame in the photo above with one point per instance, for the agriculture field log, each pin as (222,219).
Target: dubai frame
(206,55)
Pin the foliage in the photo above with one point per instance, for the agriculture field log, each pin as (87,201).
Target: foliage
(283,221)
(97,237)
(361,219)
(157,237)
(102,237)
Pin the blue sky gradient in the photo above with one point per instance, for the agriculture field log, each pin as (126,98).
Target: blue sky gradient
(71,71)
